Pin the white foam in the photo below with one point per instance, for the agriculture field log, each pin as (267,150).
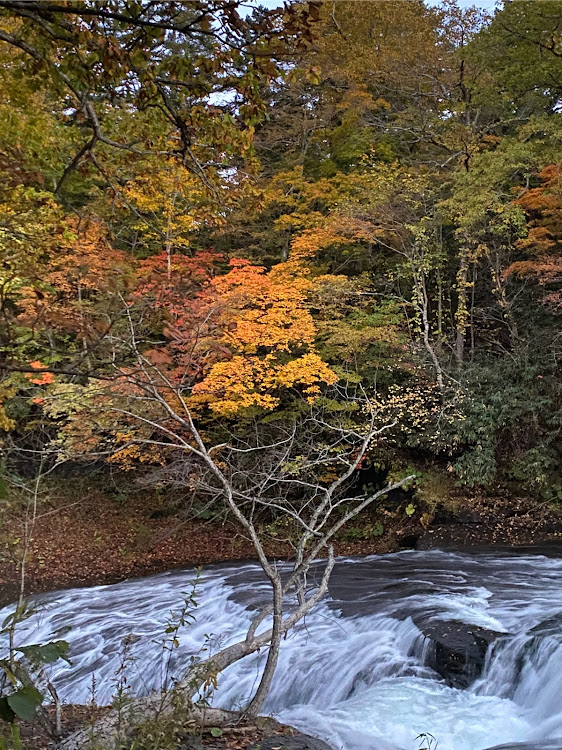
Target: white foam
(354,672)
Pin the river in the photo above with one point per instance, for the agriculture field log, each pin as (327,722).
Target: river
(357,672)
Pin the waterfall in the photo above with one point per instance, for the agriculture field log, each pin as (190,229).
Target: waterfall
(360,672)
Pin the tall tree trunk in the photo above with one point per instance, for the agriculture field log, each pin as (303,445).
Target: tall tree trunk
(439,306)
(472,299)
(461,317)
(499,290)
(423,306)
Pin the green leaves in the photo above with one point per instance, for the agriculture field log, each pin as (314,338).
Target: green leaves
(46,653)
(6,713)
(21,704)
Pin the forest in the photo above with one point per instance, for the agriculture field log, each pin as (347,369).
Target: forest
(285,277)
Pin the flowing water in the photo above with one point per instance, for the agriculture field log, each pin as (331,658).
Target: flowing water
(356,671)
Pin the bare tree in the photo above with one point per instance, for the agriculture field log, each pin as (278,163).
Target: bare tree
(302,471)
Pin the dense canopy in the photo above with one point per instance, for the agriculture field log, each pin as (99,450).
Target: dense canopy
(274,208)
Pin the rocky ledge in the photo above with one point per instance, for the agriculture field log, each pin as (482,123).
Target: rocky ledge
(457,651)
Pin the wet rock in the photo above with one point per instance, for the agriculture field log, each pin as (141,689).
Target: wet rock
(551,628)
(457,651)
(555,744)
(299,742)
(408,541)
(445,515)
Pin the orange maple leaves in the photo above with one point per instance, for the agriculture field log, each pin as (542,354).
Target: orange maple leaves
(263,321)
(42,378)
(337,230)
(79,269)
(241,338)
(543,207)
(262,310)
(236,340)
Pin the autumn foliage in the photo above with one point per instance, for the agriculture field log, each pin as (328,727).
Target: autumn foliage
(262,211)
(238,338)
(543,243)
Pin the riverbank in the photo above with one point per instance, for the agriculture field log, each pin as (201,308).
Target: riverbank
(262,733)
(99,540)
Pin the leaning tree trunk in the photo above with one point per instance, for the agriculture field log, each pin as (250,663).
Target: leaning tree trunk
(261,694)
(140,710)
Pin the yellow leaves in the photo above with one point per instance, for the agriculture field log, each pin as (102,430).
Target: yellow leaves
(6,423)
(30,224)
(245,382)
(336,230)
(71,399)
(270,332)
(170,203)
(7,391)
(238,384)
(125,457)
(101,418)
(263,311)
(128,456)
(123,437)
(308,370)
(343,214)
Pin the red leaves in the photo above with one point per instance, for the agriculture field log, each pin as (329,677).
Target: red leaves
(158,356)
(178,287)
(171,282)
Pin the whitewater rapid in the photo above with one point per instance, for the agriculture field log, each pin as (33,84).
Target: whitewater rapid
(355,672)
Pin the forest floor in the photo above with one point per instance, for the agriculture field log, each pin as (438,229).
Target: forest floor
(100,540)
(237,737)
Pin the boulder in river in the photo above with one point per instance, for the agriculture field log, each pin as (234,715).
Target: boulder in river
(457,650)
